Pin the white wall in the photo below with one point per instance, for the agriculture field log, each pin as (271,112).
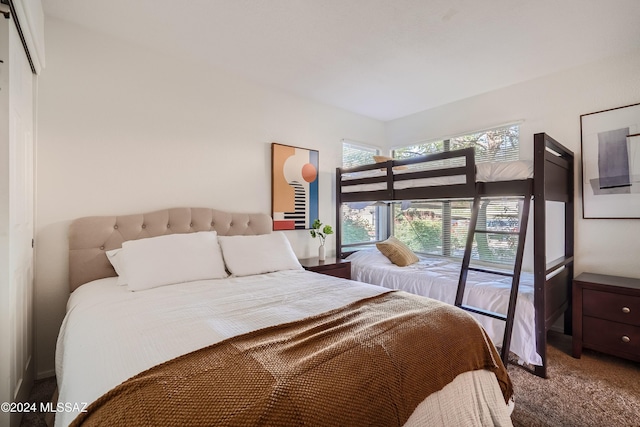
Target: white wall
(126,130)
(552,105)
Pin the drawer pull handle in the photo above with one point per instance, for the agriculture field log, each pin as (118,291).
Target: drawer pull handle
(625,338)
(626,310)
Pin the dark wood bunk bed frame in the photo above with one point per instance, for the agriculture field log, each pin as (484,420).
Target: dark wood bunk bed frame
(553,180)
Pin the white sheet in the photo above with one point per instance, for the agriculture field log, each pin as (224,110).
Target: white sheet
(437,278)
(111,334)
(485,172)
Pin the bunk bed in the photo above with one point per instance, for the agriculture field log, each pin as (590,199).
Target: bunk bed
(455,175)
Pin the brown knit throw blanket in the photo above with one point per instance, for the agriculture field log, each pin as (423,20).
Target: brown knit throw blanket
(369,363)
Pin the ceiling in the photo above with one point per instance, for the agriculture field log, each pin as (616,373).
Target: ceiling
(380,58)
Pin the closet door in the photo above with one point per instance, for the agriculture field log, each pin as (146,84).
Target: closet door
(16,144)
(21,201)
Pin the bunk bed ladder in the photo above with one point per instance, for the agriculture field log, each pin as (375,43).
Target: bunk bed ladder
(515,276)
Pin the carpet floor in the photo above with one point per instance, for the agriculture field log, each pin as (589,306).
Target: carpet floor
(596,390)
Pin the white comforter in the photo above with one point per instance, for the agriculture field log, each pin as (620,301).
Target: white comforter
(437,278)
(110,334)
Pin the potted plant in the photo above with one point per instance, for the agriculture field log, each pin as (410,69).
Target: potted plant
(320,231)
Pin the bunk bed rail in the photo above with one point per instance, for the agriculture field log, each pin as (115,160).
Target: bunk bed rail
(408,178)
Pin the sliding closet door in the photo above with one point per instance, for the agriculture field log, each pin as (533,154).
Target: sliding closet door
(21,202)
(16,218)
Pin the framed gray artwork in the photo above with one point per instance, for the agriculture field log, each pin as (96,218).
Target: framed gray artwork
(611,163)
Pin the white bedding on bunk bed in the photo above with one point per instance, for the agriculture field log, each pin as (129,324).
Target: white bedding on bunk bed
(485,172)
(437,278)
(110,334)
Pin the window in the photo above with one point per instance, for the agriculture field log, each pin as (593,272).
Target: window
(440,227)
(493,145)
(360,221)
(354,154)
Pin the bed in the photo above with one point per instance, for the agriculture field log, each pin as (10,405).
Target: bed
(270,344)
(455,175)
(437,277)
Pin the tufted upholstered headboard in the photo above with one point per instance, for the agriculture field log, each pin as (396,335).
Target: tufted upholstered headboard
(90,237)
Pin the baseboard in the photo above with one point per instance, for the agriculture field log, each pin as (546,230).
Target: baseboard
(558,329)
(46,374)
(558,326)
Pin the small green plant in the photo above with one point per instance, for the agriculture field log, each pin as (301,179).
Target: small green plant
(320,231)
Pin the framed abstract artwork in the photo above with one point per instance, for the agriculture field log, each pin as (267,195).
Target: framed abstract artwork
(294,187)
(611,163)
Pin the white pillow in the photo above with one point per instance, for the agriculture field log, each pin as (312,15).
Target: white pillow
(170,259)
(370,256)
(264,253)
(115,257)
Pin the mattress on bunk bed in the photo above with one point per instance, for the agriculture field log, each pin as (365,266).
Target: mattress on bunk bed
(485,172)
(437,278)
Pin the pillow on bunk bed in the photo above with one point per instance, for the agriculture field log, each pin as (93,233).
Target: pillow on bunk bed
(382,159)
(397,252)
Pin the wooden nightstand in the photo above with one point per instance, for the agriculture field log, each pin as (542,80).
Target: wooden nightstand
(606,315)
(330,266)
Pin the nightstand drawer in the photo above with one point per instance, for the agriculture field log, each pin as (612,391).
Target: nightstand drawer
(331,267)
(606,315)
(338,270)
(611,336)
(611,306)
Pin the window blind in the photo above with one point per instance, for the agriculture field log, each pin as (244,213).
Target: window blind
(440,227)
(493,145)
(360,221)
(354,154)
